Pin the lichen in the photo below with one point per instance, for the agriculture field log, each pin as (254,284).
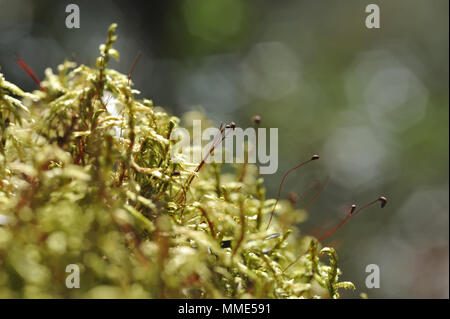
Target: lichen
(86,178)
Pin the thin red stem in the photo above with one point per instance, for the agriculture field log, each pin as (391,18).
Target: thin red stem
(210,224)
(136,59)
(282,182)
(29,71)
(317,194)
(216,142)
(351,214)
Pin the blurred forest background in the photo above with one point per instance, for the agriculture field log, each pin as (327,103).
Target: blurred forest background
(372,102)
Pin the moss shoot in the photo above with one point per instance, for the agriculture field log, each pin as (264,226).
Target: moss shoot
(86,178)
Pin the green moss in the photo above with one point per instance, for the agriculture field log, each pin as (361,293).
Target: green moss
(81,185)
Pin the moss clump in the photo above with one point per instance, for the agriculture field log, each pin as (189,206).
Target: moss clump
(86,179)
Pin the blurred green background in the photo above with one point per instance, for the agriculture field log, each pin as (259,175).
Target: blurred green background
(372,102)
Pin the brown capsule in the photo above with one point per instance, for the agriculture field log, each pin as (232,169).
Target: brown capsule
(293,197)
(315,157)
(256,119)
(352,209)
(383,201)
(231,125)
